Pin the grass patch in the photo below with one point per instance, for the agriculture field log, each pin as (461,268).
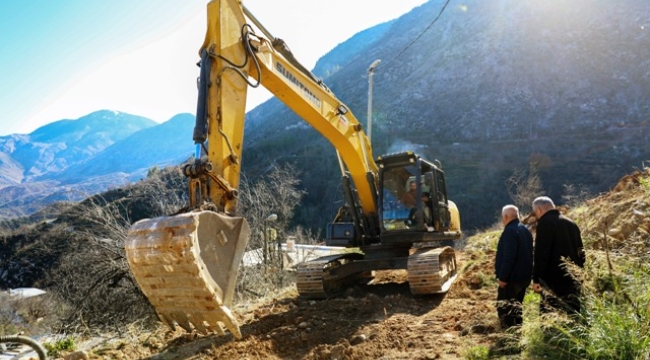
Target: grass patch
(62,345)
(613,322)
(478,352)
(645,184)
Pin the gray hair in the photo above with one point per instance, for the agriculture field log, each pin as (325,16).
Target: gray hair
(544,203)
(510,209)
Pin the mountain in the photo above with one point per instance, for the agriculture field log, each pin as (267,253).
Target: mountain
(28,161)
(56,146)
(166,144)
(492,88)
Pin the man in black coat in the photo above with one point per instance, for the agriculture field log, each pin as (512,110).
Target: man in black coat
(513,266)
(558,240)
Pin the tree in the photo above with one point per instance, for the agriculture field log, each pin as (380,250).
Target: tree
(274,193)
(523,187)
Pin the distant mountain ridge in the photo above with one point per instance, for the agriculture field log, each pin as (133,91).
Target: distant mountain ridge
(29,161)
(493,87)
(57,145)
(166,144)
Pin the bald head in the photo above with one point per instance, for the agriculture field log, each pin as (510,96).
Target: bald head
(541,205)
(509,213)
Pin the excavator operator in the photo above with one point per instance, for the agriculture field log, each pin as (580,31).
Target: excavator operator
(409,197)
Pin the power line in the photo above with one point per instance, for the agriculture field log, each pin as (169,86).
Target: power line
(421,34)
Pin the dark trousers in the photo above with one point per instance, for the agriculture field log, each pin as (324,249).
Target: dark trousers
(509,300)
(568,303)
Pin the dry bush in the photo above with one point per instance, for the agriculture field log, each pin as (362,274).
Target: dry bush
(523,187)
(94,274)
(275,193)
(34,315)
(9,318)
(575,195)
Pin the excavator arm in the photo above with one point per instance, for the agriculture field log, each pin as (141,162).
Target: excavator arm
(233,56)
(187,264)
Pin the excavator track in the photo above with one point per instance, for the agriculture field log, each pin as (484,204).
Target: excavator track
(313,278)
(432,270)
(187,266)
(309,279)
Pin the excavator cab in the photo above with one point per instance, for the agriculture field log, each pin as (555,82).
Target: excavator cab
(413,207)
(417,223)
(413,203)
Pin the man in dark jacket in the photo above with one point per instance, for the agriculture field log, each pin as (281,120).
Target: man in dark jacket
(514,267)
(558,240)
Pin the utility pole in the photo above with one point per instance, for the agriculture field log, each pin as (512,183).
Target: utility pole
(371,72)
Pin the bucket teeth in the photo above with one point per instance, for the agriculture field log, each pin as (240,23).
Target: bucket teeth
(187,267)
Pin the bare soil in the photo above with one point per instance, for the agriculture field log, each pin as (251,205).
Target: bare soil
(382,320)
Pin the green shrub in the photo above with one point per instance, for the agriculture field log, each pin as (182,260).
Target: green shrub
(55,349)
(645,183)
(477,353)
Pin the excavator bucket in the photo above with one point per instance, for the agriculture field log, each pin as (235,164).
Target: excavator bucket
(187,267)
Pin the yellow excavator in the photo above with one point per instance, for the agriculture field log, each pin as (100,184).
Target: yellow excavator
(187,264)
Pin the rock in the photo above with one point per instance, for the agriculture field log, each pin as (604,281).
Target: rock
(304,336)
(338,352)
(303,325)
(479,329)
(358,339)
(448,337)
(77,355)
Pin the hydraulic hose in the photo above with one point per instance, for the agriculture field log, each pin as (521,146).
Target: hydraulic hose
(42,354)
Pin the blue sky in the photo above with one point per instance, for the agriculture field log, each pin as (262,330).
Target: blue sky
(66,58)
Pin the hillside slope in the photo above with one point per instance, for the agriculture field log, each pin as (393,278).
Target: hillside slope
(489,88)
(384,321)
(380,320)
